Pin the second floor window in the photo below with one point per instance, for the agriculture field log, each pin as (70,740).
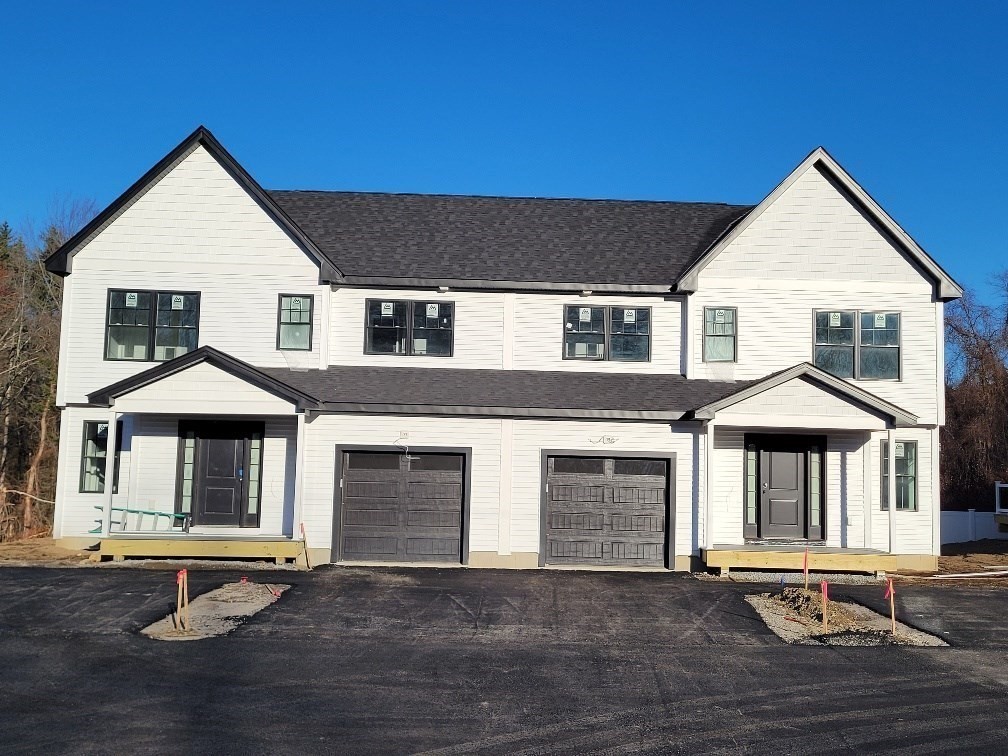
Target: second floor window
(294,326)
(600,333)
(409,327)
(860,345)
(151,325)
(719,334)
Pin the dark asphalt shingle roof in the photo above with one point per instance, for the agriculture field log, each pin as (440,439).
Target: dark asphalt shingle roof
(578,393)
(507,238)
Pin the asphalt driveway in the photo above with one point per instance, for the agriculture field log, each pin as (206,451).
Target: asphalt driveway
(463,661)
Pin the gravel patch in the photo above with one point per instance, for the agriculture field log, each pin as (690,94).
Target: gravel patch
(218,612)
(795,616)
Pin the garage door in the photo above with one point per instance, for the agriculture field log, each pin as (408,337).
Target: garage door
(609,511)
(401,508)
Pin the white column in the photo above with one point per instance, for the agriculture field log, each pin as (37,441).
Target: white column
(892,491)
(708,462)
(866,452)
(934,470)
(110,446)
(299,453)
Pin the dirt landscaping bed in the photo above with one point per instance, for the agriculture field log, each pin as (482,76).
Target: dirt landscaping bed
(796,616)
(40,551)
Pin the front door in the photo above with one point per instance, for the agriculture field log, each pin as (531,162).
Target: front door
(226,474)
(782,496)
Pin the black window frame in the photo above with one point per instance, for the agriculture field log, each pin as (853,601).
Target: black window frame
(152,326)
(85,436)
(734,335)
(884,477)
(411,305)
(311,322)
(607,332)
(856,373)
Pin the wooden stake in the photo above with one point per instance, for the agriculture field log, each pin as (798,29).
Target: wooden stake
(304,539)
(825,607)
(892,606)
(178,602)
(185,589)
(805,567)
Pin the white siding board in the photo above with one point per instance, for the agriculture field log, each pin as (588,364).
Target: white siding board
(195,230)
(801,397)
(203,389)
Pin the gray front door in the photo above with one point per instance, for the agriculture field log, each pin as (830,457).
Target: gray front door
(225,474)
(400,507)
(782,496)
(606,511)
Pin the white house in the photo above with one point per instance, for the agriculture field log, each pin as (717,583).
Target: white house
(500,382)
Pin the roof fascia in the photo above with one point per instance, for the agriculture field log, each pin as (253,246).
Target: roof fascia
(60,261)
(478,411)
(211,356)
(491,285)
(946,287)
(900,417)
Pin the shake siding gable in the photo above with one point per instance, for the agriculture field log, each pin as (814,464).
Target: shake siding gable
(196,229)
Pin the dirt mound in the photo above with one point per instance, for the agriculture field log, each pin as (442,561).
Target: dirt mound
(38,551)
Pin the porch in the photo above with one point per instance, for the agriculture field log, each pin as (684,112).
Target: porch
(791,558)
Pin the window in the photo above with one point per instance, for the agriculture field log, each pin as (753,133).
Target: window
(719,334)
(409,327)
(151,326)
(94,455)
(626,330)
(294,322)
(579,465)
(653,467)
(906,475)
(875,354)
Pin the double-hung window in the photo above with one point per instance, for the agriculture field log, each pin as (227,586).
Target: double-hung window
(864,345)
(719,343)
(151,325)
(94,457)
(906,475)
(294,322)
(600,333)
(409,327)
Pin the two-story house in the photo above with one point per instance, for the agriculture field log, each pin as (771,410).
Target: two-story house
(495,381)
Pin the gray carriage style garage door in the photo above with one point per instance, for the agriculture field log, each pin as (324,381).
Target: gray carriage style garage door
(608,511)
(402,508)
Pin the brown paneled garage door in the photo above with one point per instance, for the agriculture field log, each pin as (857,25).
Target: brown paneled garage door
(401,508)
(606,511)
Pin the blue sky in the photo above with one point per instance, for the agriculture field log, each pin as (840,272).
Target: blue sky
(697,101)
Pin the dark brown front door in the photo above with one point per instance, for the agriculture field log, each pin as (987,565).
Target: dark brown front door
(782,496)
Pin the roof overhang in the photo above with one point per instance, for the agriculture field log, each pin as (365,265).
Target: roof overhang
(60,262)
(899,417)
(106,397)
(945,287)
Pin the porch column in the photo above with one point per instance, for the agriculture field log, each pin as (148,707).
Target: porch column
(708,459)
(892,491)
(110,447)
(299,452)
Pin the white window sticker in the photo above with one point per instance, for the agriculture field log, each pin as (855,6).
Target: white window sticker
(433,310)
(584,314)
(177,301)
(131,299)
(834,319)
(295,303)
(629,316)
(102,429)
(719,316)
(899,450)
(387,309)
(880,320)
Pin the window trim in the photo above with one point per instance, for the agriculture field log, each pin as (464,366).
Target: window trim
(884,473)
(152,326)
(607,332)
(410,306)
(116,454)
(311,322)
(857,340)
(703,345)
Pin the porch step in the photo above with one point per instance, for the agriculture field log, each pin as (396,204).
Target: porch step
(792,558)
(197,547)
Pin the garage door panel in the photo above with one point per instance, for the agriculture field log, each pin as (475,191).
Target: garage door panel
(613,513)
(392,512)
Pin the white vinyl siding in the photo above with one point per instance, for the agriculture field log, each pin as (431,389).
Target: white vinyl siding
(194,230)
